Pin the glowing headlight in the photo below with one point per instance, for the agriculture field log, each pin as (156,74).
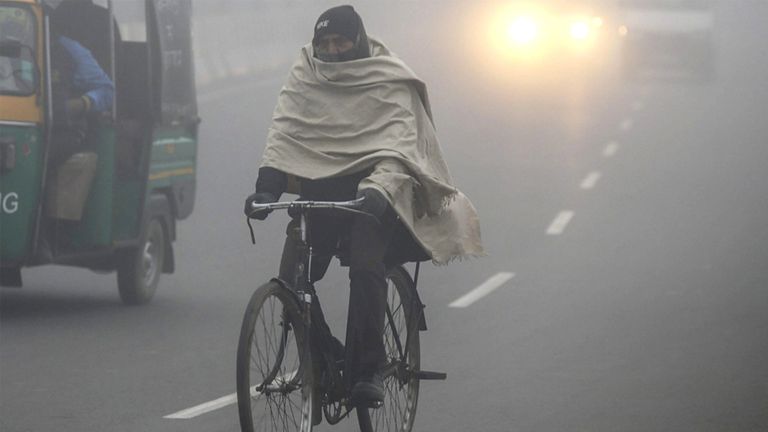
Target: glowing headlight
(579,30)
(523,30)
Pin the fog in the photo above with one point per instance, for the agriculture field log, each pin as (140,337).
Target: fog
(615,152)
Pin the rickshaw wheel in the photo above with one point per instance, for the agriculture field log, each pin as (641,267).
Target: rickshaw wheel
(139,268)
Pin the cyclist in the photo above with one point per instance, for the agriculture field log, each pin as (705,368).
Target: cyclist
(352,121)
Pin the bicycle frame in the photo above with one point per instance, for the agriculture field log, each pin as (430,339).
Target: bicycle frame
(338,405)
(301,286)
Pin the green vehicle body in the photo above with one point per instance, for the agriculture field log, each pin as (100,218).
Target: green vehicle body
(145,156)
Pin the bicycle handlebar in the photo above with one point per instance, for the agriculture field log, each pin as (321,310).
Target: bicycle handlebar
(353,205)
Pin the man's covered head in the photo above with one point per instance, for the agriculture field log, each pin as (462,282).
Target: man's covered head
(340,36)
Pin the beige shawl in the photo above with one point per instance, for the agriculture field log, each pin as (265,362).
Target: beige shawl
(334,119)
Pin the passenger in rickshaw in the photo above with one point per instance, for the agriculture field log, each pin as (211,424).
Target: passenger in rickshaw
(80,88)
(81,91)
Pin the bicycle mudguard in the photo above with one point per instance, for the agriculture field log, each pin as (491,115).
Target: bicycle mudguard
(287,286)
(422,306)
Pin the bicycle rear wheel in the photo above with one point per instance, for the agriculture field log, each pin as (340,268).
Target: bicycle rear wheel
(274,379)
(401,342)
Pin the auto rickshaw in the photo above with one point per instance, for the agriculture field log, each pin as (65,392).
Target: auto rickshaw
(114,205)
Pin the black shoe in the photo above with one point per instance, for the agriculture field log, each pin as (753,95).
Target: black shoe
(368,390)
(317,394)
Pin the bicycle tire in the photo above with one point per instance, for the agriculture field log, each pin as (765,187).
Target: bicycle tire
(272,350)
(401,389)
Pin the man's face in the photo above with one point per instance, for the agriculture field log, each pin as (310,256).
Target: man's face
(333,44)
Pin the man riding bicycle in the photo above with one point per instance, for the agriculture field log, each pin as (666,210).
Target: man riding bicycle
(352,121)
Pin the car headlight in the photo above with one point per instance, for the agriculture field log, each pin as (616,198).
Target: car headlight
(523,30)
(580,30)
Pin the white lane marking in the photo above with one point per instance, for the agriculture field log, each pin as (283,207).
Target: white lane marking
(558,225)
(205,407)
(611,149)
(482,290)
(626,124)
(638,106)
(590,180)
(219,403)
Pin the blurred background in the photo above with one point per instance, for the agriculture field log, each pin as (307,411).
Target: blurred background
(616,152)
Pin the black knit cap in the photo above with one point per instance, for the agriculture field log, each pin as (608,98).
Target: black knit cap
(342,20)
(345,21)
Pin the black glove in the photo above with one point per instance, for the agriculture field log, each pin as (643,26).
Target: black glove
(258,198)
(374,203)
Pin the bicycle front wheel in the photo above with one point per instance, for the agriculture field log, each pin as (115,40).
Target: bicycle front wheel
(401,342)
(274,379)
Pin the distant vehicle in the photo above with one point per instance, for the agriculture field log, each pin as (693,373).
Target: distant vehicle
(667,35)
(547,41)
(552,29)
(113,206)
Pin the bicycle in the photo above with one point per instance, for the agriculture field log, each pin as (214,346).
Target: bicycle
(289,371)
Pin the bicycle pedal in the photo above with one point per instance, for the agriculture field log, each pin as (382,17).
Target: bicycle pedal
(370,404)
(429,375)
(353,403)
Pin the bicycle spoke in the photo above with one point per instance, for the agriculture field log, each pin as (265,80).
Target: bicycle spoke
(293,406)
(266,353)
(275,415)
(283,414)
(263,355)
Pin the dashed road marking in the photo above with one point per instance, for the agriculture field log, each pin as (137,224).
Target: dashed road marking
(611,149)
(638,106)
(590,180)
(204,408)
(215,404)
(626,124)
(560,222)
(482,290)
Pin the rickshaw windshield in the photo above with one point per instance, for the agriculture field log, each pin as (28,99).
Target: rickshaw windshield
(18,31)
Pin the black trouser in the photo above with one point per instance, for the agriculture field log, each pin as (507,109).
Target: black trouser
(66,141)
(368,243)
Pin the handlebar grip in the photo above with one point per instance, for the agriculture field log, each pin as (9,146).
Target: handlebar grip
(259,211)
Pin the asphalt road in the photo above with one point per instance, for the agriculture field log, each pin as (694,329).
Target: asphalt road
(631,217)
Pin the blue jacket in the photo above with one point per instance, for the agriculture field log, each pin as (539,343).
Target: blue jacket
(89,79)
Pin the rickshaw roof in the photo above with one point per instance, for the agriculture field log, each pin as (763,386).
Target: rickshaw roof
(50,3)
(53,4)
